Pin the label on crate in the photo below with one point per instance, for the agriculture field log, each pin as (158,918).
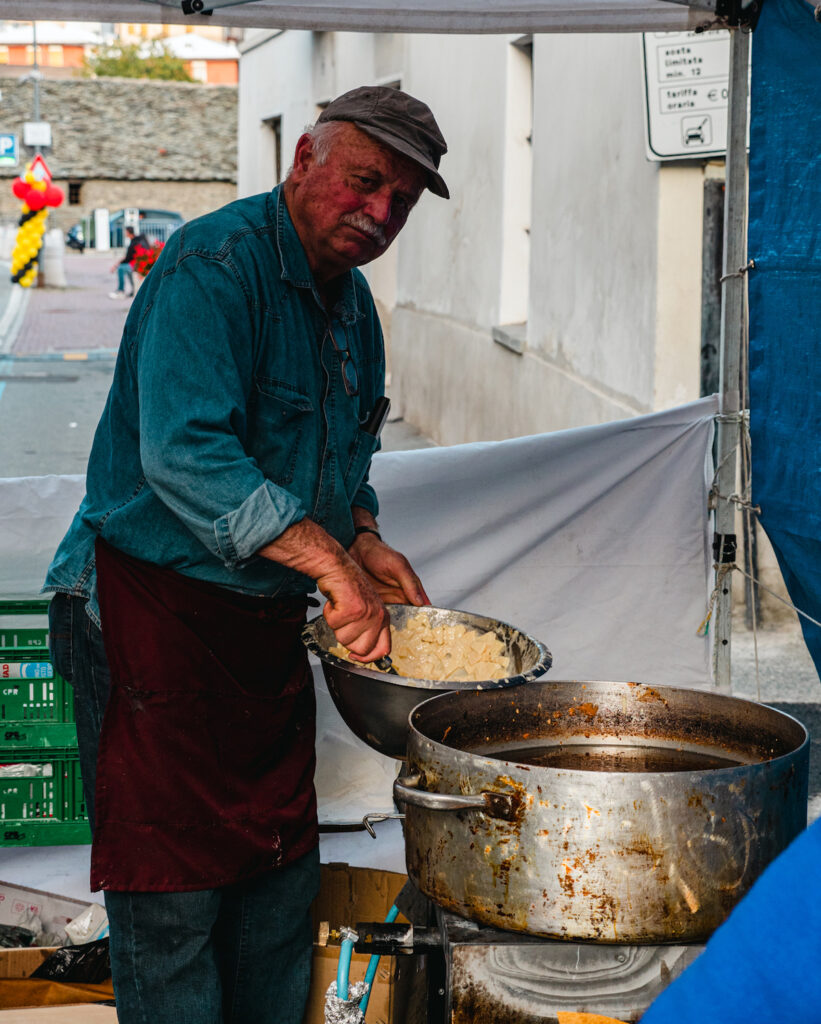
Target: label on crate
(26,670)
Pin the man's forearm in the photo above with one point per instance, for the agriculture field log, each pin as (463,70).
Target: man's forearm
(307,548)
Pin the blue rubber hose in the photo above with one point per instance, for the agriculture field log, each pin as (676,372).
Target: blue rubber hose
(373,963)
(349,939)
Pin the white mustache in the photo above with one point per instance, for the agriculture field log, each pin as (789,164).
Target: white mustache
(363,223)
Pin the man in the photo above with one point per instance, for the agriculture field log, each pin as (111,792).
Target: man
(227,480)
(124,267)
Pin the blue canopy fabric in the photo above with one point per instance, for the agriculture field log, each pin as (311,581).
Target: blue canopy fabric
(784,239)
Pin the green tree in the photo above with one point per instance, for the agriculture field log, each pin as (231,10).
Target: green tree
(125,60)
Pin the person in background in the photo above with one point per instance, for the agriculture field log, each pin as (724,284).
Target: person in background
(228,480)
(125,265)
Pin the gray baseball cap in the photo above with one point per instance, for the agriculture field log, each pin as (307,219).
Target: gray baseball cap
(396,120)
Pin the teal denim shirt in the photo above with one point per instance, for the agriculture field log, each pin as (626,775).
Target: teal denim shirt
(228,420)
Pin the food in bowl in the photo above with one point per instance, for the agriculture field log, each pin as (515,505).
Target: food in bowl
(445,653)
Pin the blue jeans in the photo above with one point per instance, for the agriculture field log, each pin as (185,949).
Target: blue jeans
(124,273)
(232,955)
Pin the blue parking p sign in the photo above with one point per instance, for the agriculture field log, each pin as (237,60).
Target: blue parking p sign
(8,150)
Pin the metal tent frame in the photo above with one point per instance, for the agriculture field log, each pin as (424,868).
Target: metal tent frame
(523,16)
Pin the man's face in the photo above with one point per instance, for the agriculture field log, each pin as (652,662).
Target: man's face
(348,210)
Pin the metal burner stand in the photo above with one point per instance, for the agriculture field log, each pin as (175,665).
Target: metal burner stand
(479,975)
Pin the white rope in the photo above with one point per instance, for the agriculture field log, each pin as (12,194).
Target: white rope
(737,499)
(772,593)
(747,469)
(721,571)
(750,528)
(725,568)
(738,273)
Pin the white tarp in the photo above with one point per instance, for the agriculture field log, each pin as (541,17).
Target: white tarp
(516,16)
(594,540)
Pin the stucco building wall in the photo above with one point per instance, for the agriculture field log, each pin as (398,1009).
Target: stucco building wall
(559,236)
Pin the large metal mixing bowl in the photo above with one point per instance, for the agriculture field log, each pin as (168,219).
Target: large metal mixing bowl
(376,705)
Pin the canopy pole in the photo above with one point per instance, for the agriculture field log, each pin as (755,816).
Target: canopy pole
(733,333)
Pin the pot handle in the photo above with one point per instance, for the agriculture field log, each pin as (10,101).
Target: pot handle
(406,791)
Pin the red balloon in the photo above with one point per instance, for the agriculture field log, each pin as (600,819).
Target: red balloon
(53,195)
(35,200)
(20,188)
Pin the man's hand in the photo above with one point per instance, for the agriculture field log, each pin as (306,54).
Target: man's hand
(388,571)
(354,610)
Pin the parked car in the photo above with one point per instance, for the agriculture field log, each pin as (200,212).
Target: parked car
(75,237)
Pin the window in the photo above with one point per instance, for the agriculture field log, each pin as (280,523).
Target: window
(4,54)
(516,197)
(55,56)
(74,190)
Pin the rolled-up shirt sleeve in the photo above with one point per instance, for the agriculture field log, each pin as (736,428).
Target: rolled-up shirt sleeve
(194,360)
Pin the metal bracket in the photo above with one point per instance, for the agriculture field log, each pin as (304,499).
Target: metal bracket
(194,7)
(366,821)
(743,13)
(724,548)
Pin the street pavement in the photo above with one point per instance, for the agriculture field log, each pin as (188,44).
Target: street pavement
(56,362)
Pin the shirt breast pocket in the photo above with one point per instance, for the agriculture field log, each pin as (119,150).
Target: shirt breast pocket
(361,453)
(281,421)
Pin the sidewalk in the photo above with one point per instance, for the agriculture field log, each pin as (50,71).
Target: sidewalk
(78,321)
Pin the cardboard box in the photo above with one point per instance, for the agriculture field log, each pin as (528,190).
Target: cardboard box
(84,1013)
(19,905)
(21,963)
(347,896)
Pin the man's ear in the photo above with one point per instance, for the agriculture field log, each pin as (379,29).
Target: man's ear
(303,156)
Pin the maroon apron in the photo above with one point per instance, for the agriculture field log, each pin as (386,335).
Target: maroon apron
(206,760)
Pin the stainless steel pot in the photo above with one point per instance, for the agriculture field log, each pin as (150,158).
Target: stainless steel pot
(375,705)
(613,812)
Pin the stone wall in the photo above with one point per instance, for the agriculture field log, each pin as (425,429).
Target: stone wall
(125,128)
(128,142)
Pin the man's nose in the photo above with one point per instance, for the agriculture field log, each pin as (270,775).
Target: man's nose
(379,205)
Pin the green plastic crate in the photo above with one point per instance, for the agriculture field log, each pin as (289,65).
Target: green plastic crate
(23,634)
(23,626)
(36,713)
(41,801)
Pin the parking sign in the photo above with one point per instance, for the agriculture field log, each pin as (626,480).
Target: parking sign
(687,77)
(8,150)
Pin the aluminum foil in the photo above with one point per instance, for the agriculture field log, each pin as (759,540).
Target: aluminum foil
(345,1011)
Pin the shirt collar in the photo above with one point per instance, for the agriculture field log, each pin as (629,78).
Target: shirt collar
(295,268)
